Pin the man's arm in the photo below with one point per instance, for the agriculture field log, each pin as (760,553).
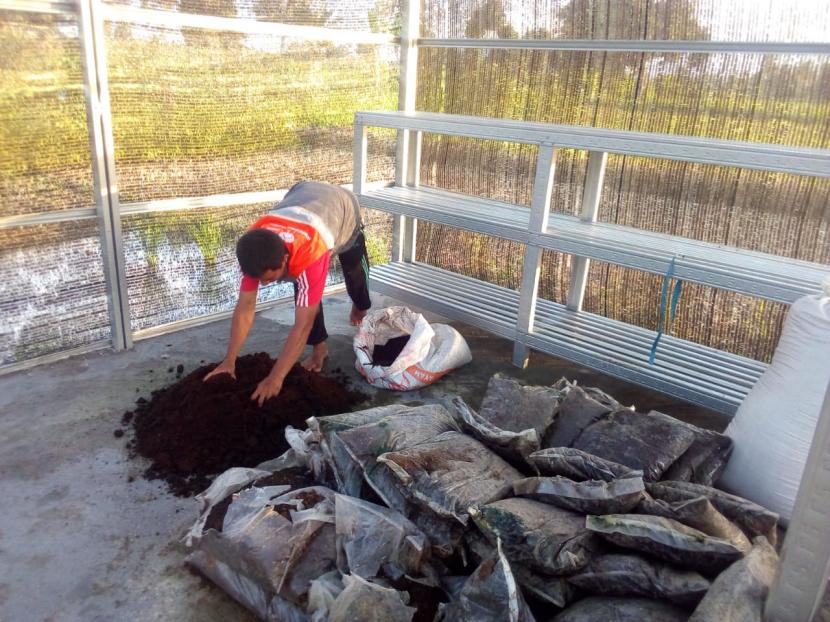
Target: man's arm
(291,351)
(243,318)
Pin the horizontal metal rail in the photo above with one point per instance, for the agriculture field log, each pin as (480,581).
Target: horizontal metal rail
(176,19)
(54,357)
(714,265)
(684,369)
(632,45)
(47,218)
(760,156)
(170,327)
(39,6)
(158,205)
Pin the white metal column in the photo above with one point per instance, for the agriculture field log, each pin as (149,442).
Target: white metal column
(539,210)
(408,151)
(99,121)
(805,558)
(590,207)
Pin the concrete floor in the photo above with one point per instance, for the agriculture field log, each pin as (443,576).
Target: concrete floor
(79,541)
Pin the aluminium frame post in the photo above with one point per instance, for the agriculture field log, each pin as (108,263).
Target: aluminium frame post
(105,187)
(539,212)
(590,208)
(802,575)
(359,154)
(407,152)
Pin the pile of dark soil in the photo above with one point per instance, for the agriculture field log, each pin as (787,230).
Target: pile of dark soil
(193,430)
(386,354)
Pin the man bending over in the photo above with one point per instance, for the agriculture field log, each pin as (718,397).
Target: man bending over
(295,241)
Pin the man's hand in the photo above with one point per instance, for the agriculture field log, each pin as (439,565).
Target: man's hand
(225,367)
(268,388)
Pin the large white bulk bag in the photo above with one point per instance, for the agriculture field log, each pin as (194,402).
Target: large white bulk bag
(774,425)
(432,351)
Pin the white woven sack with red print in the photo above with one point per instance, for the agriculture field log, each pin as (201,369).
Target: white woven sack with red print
(433,350)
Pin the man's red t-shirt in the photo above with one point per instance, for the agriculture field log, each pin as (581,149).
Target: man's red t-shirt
(308,261)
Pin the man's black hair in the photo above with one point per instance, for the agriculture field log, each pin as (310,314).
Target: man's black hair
(259,250)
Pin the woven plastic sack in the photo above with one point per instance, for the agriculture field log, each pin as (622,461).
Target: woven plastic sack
(491,594)
(607,608)
(739,592)
(451,473)
(632,575)
(649,443)
(543,537)
(665,539)
(589,497)
(753,519)
(775,424)
(431,352)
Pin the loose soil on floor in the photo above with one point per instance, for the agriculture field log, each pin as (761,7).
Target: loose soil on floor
(193,430)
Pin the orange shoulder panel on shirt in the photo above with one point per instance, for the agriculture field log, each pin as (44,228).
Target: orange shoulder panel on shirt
(305,245)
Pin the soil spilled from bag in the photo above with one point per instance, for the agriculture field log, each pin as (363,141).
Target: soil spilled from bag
(193,430)
(386,354)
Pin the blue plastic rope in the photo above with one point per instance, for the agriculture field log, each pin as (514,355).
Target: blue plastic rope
(675,296)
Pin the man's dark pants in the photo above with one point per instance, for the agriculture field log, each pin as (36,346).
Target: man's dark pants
(355,263)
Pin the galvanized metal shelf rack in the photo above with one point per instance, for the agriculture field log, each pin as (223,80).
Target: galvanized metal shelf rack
(699,374)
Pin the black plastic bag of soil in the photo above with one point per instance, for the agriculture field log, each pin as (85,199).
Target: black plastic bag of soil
(371,538)
(578,465)
(698,513)
(705,459)
(193,430)
(271,546)
(491,594)
(576,412)
(631,575)
(450,473)
(511,406)
(361,446)
(752,518)
(394,432)
(649,443)
(588,497)
(604,608)
(347,472)
(738,594)
(666,539)
(370,602)
(512,446)
(543,537)
(545,588)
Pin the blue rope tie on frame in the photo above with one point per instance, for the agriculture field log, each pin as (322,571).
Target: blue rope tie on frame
(675,296)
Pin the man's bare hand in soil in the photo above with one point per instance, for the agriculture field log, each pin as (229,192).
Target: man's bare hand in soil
(225,367)
(266,389)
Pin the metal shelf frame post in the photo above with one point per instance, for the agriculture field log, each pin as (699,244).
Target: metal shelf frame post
(105,186)
(539,211)
(590,208)
(408,149)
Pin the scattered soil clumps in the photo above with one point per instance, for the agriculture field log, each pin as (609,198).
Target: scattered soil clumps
(193,430)
(386,354)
